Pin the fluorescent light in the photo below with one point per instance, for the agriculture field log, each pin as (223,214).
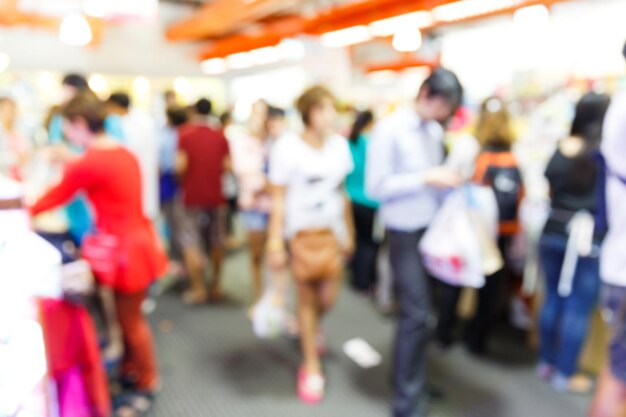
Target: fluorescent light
(346,37)
(470,8)
(538,15)
(5,61)
(182,85)
(141,85)
(383,77)
(97,83)
(407,40)
(214,66)
(95,8)
(264,56)
(388,27)
(75,30)
(239,60)
(291,49)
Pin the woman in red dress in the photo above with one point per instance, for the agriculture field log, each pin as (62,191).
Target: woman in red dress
(110,177)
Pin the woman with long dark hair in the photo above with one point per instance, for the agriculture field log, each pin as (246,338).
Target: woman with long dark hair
(572,274)
(363,265)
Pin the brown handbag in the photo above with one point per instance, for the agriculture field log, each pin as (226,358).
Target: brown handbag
(315,255)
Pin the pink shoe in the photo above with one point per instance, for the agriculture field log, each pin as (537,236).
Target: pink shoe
(310,387)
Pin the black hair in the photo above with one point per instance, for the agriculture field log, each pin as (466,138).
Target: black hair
(444,83)
(624,50)
(204,107)
(77,81)
(176,116)
(225,118)
(362,120)
(120,99)
(589,118)
(275,113)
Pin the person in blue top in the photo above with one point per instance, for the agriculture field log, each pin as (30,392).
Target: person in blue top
(78,212)
(363,265)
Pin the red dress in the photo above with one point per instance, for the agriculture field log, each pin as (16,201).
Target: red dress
(112,181)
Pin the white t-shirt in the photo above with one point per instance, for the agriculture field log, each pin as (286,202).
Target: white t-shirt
(314,180)
(142,141)
(613,258)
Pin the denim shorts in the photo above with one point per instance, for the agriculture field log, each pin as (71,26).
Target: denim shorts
(255,221)
(614,312)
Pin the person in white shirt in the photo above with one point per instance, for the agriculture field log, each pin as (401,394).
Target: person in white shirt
(404,172)
(610,400)
(141,138)
(311,211)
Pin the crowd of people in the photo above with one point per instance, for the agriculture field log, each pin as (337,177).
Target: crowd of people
(312,201)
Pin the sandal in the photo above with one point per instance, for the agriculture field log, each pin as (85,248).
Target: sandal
(577,384)
(137,404)
(192,298)
(310,387)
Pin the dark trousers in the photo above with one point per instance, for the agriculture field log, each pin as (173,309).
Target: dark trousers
(489,300)
(363,265)
(412,286)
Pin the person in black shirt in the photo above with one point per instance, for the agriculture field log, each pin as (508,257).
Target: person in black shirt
(572,274)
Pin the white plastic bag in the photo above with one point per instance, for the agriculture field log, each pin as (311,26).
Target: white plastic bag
(269,315)
(458,247)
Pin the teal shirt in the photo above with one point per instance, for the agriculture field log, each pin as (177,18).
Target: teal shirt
(355,183)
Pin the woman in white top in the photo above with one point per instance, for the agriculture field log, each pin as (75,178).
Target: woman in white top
(311,211)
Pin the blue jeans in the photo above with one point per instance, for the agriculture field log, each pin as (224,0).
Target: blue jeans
(565,320)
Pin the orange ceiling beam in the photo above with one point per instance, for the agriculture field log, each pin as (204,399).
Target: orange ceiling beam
(222,17)
(337,18)
(401,65)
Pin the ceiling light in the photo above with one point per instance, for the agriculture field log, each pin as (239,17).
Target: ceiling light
(182,85)
(264,56)
(291,49)
(383,77)
(346,37)
(471,8)
(75,30)
(214,66)
(538,15)
(407,40)
(94,8)
(141,85)
(388,27)
(239,60)
(5,61)
(97,83)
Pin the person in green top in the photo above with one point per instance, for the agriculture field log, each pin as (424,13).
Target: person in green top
(363,264)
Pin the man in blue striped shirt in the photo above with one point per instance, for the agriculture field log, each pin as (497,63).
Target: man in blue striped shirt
(405,173)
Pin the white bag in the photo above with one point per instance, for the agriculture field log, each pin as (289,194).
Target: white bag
(269,315)
(458,247)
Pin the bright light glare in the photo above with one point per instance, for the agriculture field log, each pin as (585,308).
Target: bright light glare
(5,61)
(95,8)
(239,60)
(46,80)
(407,40)
(291,49)
(75,30)
(97,83)
(264,56)
(346,37)
(388,27)
(182,85)
(141,85)
(532,16)
(214,66)
(471,8)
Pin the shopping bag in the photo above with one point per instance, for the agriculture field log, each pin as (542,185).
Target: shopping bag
(458,247)
(269,315)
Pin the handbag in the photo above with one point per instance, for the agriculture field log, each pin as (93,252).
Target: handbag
(315,255)
(102,253)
